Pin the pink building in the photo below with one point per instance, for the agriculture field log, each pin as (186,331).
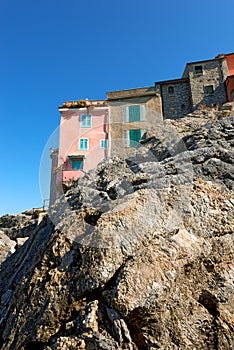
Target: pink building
(83,141)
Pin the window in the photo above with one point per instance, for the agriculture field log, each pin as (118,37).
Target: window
(77,164)
(198,70)
(134,113)
(209,89)
(171,90)
(182,107)
(132,137)
(86,121)
(104,144)
(84,144)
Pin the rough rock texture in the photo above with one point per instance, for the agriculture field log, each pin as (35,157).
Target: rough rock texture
(15,230)
(7,246)
(139,255)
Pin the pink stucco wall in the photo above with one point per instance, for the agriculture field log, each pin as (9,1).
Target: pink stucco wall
(70,133)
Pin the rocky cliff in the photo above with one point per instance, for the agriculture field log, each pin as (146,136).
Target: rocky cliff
(15,230)
(138,255)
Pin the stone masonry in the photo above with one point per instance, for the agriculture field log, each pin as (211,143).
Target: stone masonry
(210,77)
(176,98)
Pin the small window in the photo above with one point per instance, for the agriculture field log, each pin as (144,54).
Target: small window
(132,137)
(104,144)
(77,164)
(171,90)
(84,144)
(209,89)
(134,113)
(86,121)
(182,107)
(198,70)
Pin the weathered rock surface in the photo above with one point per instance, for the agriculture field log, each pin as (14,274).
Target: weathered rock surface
(7,246)
(139,255)
(15,230)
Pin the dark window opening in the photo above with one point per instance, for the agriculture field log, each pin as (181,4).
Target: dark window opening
(198,69)
(209,89)
(77,164)
(182,107)
(171,90)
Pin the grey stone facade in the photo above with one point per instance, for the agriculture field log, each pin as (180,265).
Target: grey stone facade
(206,80)
(176,98)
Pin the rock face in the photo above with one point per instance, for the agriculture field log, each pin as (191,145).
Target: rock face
(15,230)
(139,255)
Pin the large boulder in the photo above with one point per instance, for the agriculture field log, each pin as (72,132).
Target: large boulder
(139,255)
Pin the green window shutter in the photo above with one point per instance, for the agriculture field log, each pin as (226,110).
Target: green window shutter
(135,136)
(134,113)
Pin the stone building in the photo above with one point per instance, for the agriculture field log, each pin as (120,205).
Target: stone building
(176,97)
(93,130)
(131,113)
(207,82)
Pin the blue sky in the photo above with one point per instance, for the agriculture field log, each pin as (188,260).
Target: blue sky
(56,50)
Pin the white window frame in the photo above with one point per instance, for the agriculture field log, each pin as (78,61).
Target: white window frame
(81,148)
(82,121)
(142,113)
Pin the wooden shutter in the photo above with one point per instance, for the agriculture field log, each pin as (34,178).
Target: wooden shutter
(126,138)
(126,114)
(84,144)
(142,113)
(135,136)
(134,113)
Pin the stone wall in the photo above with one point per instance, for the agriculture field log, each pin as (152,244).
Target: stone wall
(211,76)
(224,68)
(176,97)
(118,125)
